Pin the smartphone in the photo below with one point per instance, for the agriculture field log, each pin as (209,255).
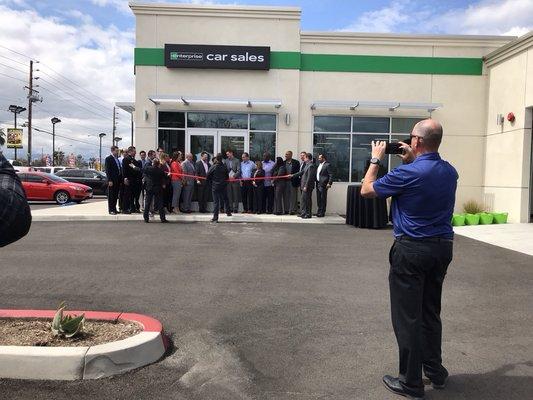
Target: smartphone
(393,148)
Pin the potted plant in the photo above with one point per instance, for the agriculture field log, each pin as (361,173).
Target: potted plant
(486,218)
(500,218)
(458,219)
(473,209)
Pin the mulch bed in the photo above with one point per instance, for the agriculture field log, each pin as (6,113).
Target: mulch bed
(36,332)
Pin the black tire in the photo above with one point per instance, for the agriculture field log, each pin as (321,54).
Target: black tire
(61,197)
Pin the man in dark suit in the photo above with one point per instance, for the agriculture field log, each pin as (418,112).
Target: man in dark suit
(155,180)
(130,171)
(218,175)
(324,179)
(307,184)
(113,170)
(290,196)
(202,185)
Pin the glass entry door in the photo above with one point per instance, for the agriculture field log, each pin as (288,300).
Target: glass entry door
(216,141)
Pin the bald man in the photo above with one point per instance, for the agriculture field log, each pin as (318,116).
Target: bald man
(423,199)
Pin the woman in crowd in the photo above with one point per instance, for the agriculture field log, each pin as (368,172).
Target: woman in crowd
(177,180)
(258,187)
(163,159)
(280,185)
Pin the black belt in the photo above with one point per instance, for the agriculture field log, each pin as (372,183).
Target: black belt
(432,239)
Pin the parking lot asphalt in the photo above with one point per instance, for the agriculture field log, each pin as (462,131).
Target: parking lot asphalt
(270,311)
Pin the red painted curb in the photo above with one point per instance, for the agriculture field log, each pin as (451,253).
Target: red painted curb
(148,324)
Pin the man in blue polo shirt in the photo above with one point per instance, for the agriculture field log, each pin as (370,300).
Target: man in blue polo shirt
(423,199)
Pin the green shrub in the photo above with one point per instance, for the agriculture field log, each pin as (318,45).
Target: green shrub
(473,207)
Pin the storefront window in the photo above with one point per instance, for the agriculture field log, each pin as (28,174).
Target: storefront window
(217,120)
(171,140)
(361,151)
(260,142)
(262,122)
(371,124)
(336,148)
(168,119)
(332,124)
(404,125)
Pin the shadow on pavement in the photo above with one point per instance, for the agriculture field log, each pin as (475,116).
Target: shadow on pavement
(508,381)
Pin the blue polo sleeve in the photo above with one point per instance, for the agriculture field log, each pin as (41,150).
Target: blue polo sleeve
(391,184)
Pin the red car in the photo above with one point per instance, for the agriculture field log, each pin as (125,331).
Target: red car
(43,186)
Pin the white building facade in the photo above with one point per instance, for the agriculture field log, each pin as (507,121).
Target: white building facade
(248,79)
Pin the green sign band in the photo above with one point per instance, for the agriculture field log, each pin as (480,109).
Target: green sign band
(348,63)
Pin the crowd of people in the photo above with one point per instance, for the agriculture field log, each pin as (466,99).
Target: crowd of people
(158,182)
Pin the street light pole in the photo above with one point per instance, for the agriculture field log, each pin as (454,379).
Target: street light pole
(101,135)
(54,120)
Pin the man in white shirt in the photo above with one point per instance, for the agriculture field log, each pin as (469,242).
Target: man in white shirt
(324,179)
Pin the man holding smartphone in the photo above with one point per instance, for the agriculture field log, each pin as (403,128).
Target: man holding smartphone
(423,199)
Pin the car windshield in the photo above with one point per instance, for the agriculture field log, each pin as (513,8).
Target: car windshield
(55,178)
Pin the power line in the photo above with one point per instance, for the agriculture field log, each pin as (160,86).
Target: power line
(74,104)
(73,87)
(16,69)
(64,137)
(64,77)
(62,90)
(16,52)
(12,77)
(12,60)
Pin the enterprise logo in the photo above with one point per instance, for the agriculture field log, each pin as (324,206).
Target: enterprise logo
(184,56)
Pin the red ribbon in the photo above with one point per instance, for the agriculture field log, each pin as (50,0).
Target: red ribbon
(232,179)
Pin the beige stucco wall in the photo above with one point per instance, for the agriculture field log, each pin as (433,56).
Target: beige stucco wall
(467,116)
(463,114)
(507,174)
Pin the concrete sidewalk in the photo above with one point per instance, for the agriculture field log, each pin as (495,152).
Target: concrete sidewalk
(517,237)
(97,211)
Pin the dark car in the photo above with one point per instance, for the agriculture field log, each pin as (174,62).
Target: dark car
(95,179)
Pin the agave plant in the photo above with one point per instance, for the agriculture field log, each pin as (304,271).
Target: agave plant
(66,326)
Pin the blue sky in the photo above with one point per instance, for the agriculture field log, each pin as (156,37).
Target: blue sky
(85,49)
(316,15)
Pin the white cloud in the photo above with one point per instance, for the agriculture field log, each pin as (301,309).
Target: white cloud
(486,17)
(122,5)
(97,59)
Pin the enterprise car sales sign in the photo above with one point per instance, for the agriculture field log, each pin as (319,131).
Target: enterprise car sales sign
(217,57)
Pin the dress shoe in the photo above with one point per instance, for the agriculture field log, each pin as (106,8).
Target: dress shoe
(112,212)
(214,220)
(146,220)
(393,384)
(126,212)
(306,216)
(164,221)
(440,383)
(228,214)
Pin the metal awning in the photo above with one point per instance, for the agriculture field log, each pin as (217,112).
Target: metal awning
(388,105)
(128,106)
(186,100)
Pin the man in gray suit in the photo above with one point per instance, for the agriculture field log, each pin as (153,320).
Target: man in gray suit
(188,169)
(233,188)
(307,184)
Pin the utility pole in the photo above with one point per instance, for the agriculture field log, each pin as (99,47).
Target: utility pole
(132,129)
(32,98)
(30,103)
(114,123)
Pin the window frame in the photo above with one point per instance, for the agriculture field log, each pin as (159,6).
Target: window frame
(391,135)
(188,129)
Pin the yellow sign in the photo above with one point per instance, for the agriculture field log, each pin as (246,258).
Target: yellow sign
(14,138)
